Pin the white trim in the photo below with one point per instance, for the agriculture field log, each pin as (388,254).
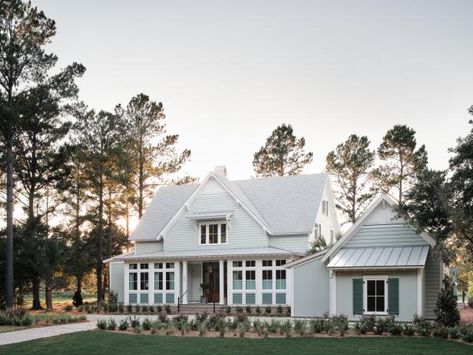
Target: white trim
(354,228)
(305,259)
(185,283)
(221,281)
(207,232)
(365,293)
(420,292)
(333,292)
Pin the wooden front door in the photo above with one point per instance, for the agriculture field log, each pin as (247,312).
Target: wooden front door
(211,281)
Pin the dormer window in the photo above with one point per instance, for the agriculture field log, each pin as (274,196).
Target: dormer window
(325,207)
(213,233)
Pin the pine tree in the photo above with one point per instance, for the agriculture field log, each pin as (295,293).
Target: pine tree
(446,310)
(401,160)
(283,154)
(351,165)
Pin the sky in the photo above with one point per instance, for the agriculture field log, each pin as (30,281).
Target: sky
(229,72)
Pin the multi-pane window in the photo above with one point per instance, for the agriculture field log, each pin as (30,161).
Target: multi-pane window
(143,266)
(213,233)
(318,230)
(133,281)
(325,207)
(144,281)
(280,262)
(250,279)
(158,280)
(133,266)
(238,263)
(237,279)
(250,263)
(169,280)
(375,295)
(280,279)
(267,279)
(267,263)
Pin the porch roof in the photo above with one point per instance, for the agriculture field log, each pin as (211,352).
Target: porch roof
(207,254)
(382,258)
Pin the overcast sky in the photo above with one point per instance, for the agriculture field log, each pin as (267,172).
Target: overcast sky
(229,72)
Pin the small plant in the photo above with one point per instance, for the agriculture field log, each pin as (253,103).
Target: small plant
(357,328)
(367,323)
(134,322)
(288,310)
(159,309)
(286,328)
(241,317)
(200,317)
(274,326)
(279,309)
(144,309)
(315,326)
(440,332)
(454,332)
(258,310)
(446,310)
(168,309)
(169,327)
(137,309)
(300,327)
(239,309)
(408,330)
(123,325)
(163,317)
(248,309)
(68,308)
(120,308)
(101,324)
(146,324)
(268,310)
(111,324)
(395,329)
(129,308)
(228,310)
(242,329)
(221,327)
(422,326)
(468,336)
(151,309)
(203,328)
(137,330)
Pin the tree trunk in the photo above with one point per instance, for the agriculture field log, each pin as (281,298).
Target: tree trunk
(36,299)
(9,248)
(99,246)
(48,290)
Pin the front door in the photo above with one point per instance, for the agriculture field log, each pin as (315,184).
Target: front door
(211,285)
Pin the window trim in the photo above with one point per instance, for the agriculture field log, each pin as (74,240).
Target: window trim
(219,233)
(367,278)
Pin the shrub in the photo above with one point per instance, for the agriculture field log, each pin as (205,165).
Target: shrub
(357,328)
(101,324)
(134,322)
(258,310)
(123,325)
(137,309)
(77,299)
(454,332)
(248,309)
(68,308)
(242,329)
(470,302)
(446,310)
(274,326)
(181,317)
(129,308)
(120,308)
(146,324)
(228,310)
(468,336)
(214,318)
(440,332)
(241,317)
(395,329)
(279,309)
(200,317)
(300,327)
(203,328)
(163,318)
(286,327)
(315,326)
(408,330)
(168,309)
(144,309)
(422,326)
(151,309)
(111,324)
(341,323)
(239,309)
(288,310)
(159,309)
(268,310)
(367,323)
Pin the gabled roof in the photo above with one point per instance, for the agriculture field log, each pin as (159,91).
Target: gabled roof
(281,205)
(382,198)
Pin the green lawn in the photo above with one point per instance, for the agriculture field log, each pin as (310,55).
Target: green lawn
(59,298)
(97,342)
(9,328)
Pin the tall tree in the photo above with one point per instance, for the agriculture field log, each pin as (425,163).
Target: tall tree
(350,163)
(401,160)
(283,154)
(461,166)
(152,152)
(101,135)
(24,31)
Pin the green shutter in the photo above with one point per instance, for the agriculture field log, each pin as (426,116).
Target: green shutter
(393,296)
(357,296)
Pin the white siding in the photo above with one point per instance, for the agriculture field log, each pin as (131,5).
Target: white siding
(195,279)
(296,243)
(388,235)
(407,292)
(329,222)
(433,276)
(311,289)
(117,278)
(148,247)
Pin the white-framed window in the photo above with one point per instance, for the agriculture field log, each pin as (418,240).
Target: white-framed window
(325,207)
(164,283)
(213,233)
(244,281)
(375,294)
(273,278)
(318,230)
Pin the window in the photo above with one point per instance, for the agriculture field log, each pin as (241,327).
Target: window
(237,263)
(250,279)
(280,262)
(318,230)
(325,207)
(376,294)
(203,234)
(267,298)
(267,279)
(143,298)
(158,265)
(267,263)
(169,280)
(158,280)
(213,233)
(250,263)
(280,298)
(133,281)
(280,279)
(237,280)
(133,266)
(169,265)
(143,266)
(144,281)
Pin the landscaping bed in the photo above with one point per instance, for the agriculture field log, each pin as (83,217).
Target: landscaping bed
(20,319)
(238,325)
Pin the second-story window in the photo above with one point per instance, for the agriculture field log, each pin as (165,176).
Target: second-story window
(213,233)
(325,207)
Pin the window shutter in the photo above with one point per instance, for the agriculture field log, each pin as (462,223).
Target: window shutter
(357,296)
(393,296)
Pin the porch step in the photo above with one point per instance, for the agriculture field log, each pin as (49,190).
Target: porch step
(193,308)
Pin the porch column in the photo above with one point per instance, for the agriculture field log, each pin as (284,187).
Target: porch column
(221,282)
(184,282)
(333,292)
(229,282)
(177,273)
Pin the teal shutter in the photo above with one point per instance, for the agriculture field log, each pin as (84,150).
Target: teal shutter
(393,296)
(357,296)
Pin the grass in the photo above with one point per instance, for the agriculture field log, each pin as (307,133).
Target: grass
(59,298)
(9,328)
(96,342)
